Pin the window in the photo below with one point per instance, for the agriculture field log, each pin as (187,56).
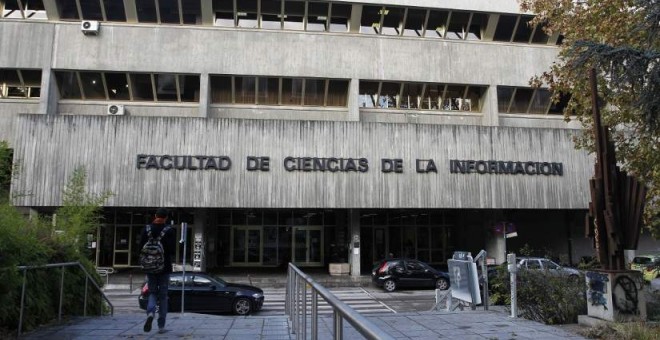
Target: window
(142,87)
(458,25)
(22,84)
(146,11)
(268,92)
(389,95)
(424,96)
(529,101)
(117,84)
(224,13)
(245,88)
(294,13)
(337,93)
(191,12)
(91,9)
(432,96)
(314,92)
(67,82)
(549,265)
(340,17)
(317,16)
(478,25)
(246,13)
(68,10)
(221,89)
(533,264)
(436,26)
(411,95)
(453,99)
(505,26)
(292,91)
(271,14)
(370,22)
(393,20)
(92,85)
(523,31)
(23,9)
(200,281)
(414,23)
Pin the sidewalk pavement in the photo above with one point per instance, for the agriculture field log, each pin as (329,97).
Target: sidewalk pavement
(466,324)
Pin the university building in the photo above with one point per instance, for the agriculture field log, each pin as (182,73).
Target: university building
(314,132)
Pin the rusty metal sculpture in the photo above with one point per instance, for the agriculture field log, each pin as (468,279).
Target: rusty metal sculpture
(617,199)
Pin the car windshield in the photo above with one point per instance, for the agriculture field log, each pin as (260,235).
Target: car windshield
(642,260)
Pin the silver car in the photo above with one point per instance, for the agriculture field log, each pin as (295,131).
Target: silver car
(539,263)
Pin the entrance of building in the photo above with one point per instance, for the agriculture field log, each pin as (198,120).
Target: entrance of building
(308,246)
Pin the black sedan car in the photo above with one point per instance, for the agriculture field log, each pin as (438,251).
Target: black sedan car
(392,274)
(204,293)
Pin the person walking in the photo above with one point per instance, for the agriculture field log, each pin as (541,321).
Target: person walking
(157,244)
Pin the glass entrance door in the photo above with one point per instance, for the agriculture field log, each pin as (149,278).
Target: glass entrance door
(246,245)
(307,246)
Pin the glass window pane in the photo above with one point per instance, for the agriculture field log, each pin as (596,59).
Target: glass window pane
(414,23)
(458,22)
(503,98)
(191,11)
(269,91)
(477,26)
(34,9)
(245,90)
(368,94)
(389,95)
(10,77)
(141,86)
(540,102)
(165,87)
(91,10)
(294,12)
(117,86)
(505,26)
(92,85)
(393,20)
(473,99)
(340,17)
(271,14)
(453,98)
(292,91)
(337,93)
(540,37)
(314,92)
(146,10)
(31,78)
(169,11)
(436,25)
(524,32)
(68,9)
(370,23)
(431,96)
(189,87)
(317,16)
(114,10)
(224,12)
(411,96)
(557,108)
(221,89)
(521,100)
(246,12)
(67,82)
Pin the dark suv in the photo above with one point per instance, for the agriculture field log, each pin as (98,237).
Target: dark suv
(397,273)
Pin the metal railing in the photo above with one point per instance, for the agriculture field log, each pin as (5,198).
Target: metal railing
(297,309)
(88,278)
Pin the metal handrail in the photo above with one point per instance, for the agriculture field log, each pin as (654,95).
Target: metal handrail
(88,279)
(296,309)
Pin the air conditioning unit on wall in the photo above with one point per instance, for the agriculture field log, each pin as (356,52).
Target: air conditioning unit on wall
(89,27)
(115,110)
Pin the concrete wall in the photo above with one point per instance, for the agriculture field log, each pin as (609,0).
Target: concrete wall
(47,149)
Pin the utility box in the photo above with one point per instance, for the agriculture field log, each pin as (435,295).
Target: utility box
(340,268)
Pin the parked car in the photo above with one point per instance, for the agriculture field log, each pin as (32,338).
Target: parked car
(205,293)
(539,263)
(392,274)
(648,264)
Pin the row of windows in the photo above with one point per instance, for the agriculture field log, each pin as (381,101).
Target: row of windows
(20,83)
(421,96)
(279,91)
(253,90)
(529,101)
(165,87)
(317,16)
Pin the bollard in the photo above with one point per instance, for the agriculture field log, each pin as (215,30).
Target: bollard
(513,269)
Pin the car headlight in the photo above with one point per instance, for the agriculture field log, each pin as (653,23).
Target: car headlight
(257,295)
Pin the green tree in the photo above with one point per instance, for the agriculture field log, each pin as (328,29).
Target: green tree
(619,38)
(80,212)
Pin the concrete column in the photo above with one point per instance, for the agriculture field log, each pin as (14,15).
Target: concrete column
(204,95)
(353,102)
(207,12)
(489,33)
(49,92)
(131,11)
(355,246)
(199,240)
(356,16)
(491,115)
(52,12)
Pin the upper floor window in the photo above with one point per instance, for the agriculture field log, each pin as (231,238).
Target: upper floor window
(102,10)
(516,28)
(263,90)
(21,84)
(529,101)
(421,96)
(23,9)
(162,87)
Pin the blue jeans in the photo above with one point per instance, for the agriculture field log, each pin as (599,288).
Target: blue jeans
(158,284)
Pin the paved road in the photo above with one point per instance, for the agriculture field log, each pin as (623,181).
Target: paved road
(365,300)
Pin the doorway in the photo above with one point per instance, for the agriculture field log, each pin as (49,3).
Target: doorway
(307,247)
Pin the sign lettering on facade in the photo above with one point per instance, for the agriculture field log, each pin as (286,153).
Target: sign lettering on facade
(341,164)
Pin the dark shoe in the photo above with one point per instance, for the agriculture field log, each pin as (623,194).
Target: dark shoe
(147,324)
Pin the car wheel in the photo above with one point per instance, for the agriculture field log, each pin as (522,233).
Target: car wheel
(389,285)
(442,284)
(242,306)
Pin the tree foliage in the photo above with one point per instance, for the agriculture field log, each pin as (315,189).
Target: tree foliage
(619,38)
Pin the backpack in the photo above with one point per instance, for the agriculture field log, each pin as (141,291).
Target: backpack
(152,255)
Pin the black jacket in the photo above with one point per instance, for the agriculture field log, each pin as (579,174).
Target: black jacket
(168,241)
